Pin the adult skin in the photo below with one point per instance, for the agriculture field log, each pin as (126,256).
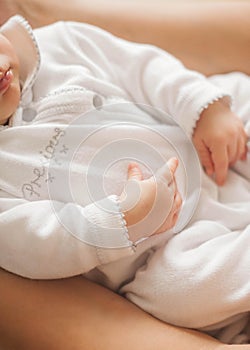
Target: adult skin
(75,313)
(211,37)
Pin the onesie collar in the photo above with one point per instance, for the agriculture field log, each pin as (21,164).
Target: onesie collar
(18,31)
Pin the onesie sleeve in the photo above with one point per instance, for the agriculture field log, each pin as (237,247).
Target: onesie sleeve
(48,240)
(149,75)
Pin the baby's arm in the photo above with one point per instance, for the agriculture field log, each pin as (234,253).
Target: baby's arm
(49,239)
(154,77)
(220,140)
(146,74)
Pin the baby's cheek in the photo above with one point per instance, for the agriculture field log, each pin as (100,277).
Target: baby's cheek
(13,100)
(9,103)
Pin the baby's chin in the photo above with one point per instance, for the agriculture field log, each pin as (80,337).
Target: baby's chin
(9,102)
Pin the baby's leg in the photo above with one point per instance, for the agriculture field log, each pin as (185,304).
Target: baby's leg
(200,278)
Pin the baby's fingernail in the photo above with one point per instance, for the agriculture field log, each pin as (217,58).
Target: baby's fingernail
(219,181)
(209,172)
(134,171)
(173,163)
(132,165)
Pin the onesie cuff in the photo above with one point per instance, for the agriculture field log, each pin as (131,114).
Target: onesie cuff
(108,229)
(197,99)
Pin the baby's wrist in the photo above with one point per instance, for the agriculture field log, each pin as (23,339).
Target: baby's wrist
(132,218)
(218,106)
(133,232)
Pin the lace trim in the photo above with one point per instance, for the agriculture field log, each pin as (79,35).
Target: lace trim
(124,224)
(29,29)
(224,97)
(220,97)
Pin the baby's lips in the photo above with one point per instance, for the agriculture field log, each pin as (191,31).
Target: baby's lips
(5,80)
(4,65)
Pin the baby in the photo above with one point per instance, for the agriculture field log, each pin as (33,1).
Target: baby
(50,77)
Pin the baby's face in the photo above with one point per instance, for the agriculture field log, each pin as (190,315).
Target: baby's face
(9,80)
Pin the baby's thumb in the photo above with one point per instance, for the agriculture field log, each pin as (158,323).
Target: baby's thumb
(134,172)
(172,164)
(166,172)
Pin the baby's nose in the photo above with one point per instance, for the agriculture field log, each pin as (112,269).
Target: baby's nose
(4,65)
(3,70)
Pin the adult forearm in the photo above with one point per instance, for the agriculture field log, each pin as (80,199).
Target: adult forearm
(193,32)
(77,314)
(209,37)
(212,37)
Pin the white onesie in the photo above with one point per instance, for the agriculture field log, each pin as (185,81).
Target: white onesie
(198,278)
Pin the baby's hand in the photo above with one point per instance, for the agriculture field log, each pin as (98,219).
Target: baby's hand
(150,206)
(220,140)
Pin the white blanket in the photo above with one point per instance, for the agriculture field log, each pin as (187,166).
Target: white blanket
(200,277)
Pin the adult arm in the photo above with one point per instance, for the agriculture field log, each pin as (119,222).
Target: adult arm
(192,32)
(77,314)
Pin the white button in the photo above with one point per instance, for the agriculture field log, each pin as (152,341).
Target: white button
(28,114)
(97,101)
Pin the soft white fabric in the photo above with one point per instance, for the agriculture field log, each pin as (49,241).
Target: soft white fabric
(201,277)
(198,278)
(82,67)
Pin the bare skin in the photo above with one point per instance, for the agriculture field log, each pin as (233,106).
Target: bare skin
(190,31)
(75,314)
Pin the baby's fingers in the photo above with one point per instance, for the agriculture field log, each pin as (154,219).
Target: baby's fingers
(172,217)
(204,155)
(177,203)
(237,148)
(177,207)
(243,147)
(134,172)
(240,153)
(167,171)
(206,159)
(221,162)
(172,164)
(233,151)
